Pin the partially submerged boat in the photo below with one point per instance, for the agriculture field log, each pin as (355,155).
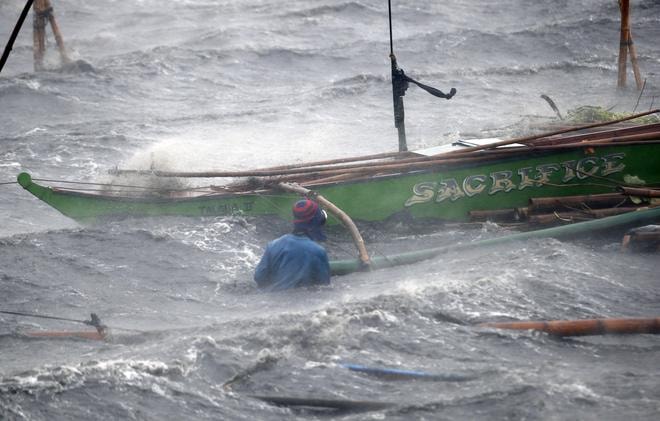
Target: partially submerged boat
(458,182)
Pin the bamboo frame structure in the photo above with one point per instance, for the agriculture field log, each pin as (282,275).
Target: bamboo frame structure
(43,14)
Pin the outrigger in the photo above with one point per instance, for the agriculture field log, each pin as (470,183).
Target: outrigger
(102,331)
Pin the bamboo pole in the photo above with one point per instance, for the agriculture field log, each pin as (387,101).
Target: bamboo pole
(463,155)
(39,35)
(641,217)
(527,139)
(633,61)
(380,156)
(401,166)
(627,43)
(585,327)
(603,134)
(338,169)
(493,215)
(624,6)
(96,336)
(343,217)
(555,217)
(56,32)
(590,200)
(43,13)
(640,192)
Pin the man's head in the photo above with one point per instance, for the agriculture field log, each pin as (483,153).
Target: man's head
(309,218)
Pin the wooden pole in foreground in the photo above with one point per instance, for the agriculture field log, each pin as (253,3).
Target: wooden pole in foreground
(39,35)
(56,32)
(641,192)
(624,5)
(633,61)
(585,327)
(343,217)
(626,45)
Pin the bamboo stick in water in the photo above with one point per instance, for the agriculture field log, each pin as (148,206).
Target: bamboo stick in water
(585,327)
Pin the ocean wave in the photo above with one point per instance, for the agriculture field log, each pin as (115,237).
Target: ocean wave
(352,86)
(351,8)
(57,379)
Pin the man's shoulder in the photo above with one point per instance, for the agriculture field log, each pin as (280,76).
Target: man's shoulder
(283,238)
(299,240)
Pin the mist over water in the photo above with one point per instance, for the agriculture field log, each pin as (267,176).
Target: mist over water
(232,85)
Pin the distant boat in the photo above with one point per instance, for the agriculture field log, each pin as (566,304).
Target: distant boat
(449,183)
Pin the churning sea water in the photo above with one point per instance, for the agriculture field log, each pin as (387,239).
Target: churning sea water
(201,84)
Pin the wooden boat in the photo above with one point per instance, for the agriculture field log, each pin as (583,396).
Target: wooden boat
(449,183)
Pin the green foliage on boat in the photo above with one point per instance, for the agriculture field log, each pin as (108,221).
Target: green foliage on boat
(595,114)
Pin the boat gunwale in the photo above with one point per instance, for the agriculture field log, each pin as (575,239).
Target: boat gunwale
(526,154)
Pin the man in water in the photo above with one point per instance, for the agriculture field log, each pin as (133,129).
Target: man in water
(296,259)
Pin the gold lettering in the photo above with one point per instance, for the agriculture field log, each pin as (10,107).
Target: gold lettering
(582,170)
(422,192)
(569,173)
(501,182)
(449,190)
(525,179)
(610,167)
(474,184)
(545,171)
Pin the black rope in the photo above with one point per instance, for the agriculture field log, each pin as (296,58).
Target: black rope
(14,34)
(433,91)
(7,183)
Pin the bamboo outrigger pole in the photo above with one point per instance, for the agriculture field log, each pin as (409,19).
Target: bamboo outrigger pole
(343,217)
(585,327)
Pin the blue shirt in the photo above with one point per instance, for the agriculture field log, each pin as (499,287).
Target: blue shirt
(292,261)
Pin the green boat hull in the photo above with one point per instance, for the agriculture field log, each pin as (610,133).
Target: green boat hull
(446,193)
